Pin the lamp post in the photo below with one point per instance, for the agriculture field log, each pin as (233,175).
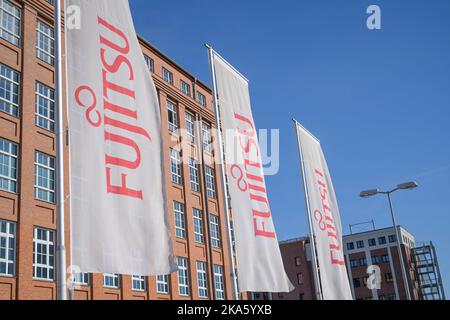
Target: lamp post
(374,192)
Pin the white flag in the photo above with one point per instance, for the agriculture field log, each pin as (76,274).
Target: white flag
(325,219)
(260,266)
(119,212)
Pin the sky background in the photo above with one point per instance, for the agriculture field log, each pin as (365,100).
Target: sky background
(379,101)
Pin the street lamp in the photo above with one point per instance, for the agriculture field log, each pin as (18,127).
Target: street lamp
(373,192)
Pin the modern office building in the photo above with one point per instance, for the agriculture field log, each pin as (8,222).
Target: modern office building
(28,217)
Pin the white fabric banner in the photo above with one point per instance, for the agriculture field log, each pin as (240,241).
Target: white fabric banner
(260,266)
(325,219)
(119,212)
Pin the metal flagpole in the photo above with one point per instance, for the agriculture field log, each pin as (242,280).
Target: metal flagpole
(224,187)
(60,248)
(308,215)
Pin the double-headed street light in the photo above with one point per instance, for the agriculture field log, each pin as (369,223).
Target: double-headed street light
(374,192)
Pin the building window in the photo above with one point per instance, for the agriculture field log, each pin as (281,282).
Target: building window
(138,283)
(175,166)
(111,280)
(372,242)
(44,177)
(183,277)
(206,137)
(218,282)
(45,43)
(298,261)
(162,284)
(185,88)
(381,240)
(172,116)
(9,90)
(193,175)
(8,165)
(198,226)
(167,76)
(392,238)
(376,260)
(214,230)
(385,258)
(80,278)
(363,262)
(356,282)
(233,238)
(202,280)
(45,107)
(354,263)
(300,278)
(350,246)
(210,182)
(10,22)
(360,244)
(180,222)
(190,127)
(7,248)
(381,297)
(201,99)
(388,277)
(150,63)
(43,254)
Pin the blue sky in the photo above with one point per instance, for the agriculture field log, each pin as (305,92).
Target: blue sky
(378,100)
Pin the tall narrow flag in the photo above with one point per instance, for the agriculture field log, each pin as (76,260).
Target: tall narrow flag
(260,267)
(324,215)
(119,212)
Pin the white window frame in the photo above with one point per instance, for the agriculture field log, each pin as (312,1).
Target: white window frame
(150,63)
(49,254)
(179,220)
(202,280)
(194,175)
(49,192)
(81,278)
(9,155)
(176,170)
(210,175)
(115,279)
(214,223)
(206,137)
(190,127)
(172,111)
(199,230)
(201,98)
(185,88)
(13,32)
(183,277)
(219,282)
(48,38)
(138,283)
(12,87)
(9,238)
(46,122)
(162,284)
(167,75)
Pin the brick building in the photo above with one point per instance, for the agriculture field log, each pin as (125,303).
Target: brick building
(27,173)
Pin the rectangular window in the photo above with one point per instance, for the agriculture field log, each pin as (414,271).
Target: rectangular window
(10,26)
(218,282)
(45,107)
(233,239)
(183,277)
(210,182)
(172,116)
(193,175)
(44,177)
(298,261)
(376,260)
(385,258)
(198,226)
(80,278)
(138,283)
(382,240)
(45,42)
(7,248)
(354,263)
(190,127)
(388,277)
(8,165)
(206,137)
(372,242)
(43,254)
(214,231)
(360,244)
(185,88)
(175,167)
(180,222)
(392,238)
(111,280)
(300,278)
(202,280)
(9,90)
(363,262)
(167,76)
(350,246)
(162,284)
(356,283)
(150,63)
(201,99)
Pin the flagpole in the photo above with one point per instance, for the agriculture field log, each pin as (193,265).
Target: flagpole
(308,216)
(224,187)
(60,248)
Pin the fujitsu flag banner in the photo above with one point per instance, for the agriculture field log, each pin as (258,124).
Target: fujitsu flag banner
(119,212)
(260,267)
(325,218)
